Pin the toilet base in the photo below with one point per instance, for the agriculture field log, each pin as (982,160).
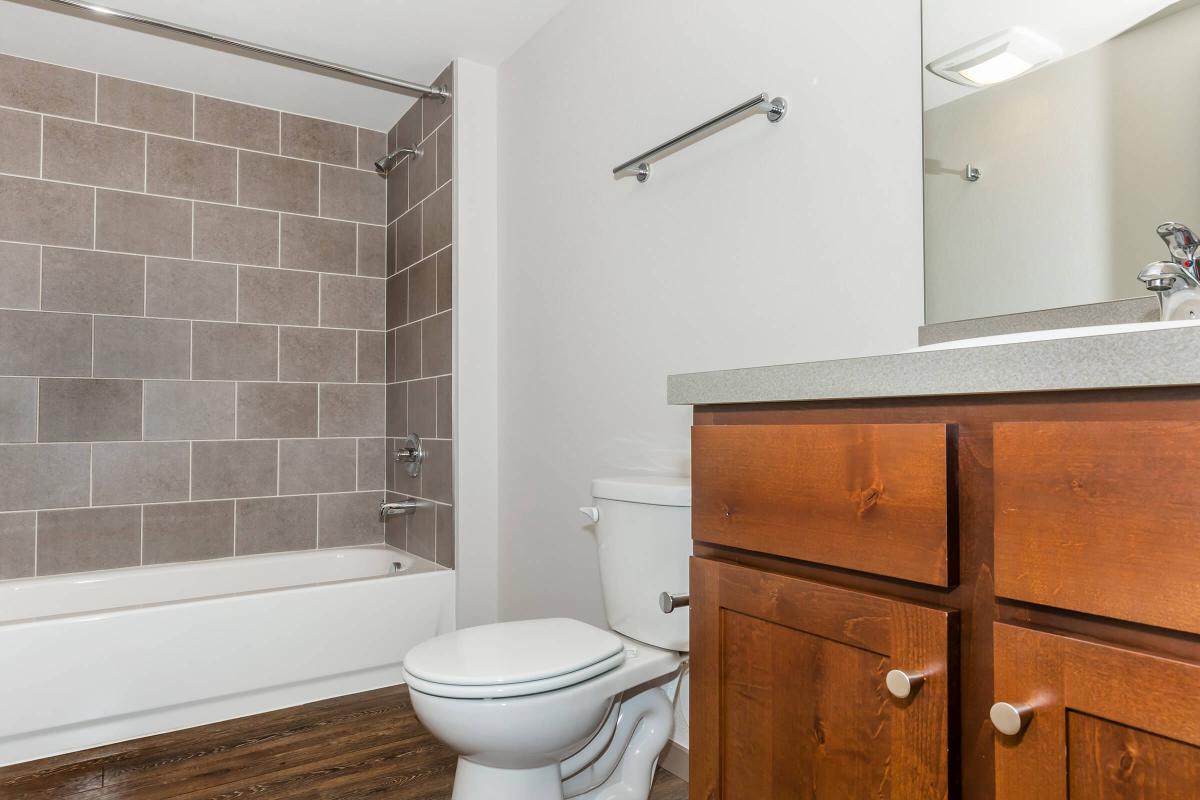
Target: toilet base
(474,781)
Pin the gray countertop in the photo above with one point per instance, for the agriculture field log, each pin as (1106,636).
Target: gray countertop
(1166,357)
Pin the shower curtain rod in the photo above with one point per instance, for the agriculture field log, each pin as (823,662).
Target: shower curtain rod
(328,66)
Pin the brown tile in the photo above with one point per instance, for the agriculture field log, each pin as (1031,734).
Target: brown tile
(276,410)
(407,131)
(371,461)
(437,220)
(408,351)
(277,183)
(92,282)
(445,153)
(188,410)
(437,345)
(236,124)
(352,302)
(389,261)
(86,410)
(276,524)
(20,142)
(445,279)
(47,88)
(352,409)
(283,296)
(422,408)
(350,519)
(319,140)
(139,472)
(437,473)
(190,289)
(18,409)
(226,351)
(18,541)
(87,539)
(44,476)
(422,530)
(389,356)
(37,343)
(143,106)
(396,409)
(321,245)
(137,347)
(173,532)
(395,310)
(422,172)
(445,536)
(237,235)
(372,146)
(435,111)
(370,357)
(97,155)
(396,528)
(138,223)
(246,468)
(19,275)
(308,466)
(316,354)
(422,289)
(408,238)
(445,407)
(372,260)
(42,212)
(194,170)
(352,194)
(396,190)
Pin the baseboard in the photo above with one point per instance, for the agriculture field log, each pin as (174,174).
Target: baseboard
(674,759)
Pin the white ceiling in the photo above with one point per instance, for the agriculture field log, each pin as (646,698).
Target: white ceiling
(409,39)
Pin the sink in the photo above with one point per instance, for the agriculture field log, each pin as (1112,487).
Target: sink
(1060,333)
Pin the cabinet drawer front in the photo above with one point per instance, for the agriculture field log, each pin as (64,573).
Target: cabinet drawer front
(874,498)
(1101,517)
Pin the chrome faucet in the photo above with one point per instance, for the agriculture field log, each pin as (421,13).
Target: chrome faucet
(1177,280)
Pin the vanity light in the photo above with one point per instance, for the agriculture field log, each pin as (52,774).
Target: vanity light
(996,59)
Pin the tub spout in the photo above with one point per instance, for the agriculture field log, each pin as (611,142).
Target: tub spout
(395,509)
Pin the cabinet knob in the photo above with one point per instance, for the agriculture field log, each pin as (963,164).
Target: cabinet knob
(903,684)
(668,602)
(1010,719)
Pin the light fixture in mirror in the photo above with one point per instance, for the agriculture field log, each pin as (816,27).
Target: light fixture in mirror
(996,59)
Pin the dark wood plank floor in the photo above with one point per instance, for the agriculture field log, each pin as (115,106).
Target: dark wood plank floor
(367,745)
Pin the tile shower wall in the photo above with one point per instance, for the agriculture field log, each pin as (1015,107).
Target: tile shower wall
(419,324)
(192,326)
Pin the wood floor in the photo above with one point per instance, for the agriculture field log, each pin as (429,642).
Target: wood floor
(367,745)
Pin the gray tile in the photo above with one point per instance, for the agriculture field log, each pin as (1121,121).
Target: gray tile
(372,145)
(92,282)
(389,356)
(445,153)
(372,257)
(348,301)
(44,476)
(277,183)
(186,289)
(276,524)
(281,296)
(138,223)
(38,343)
(87,539)
(434,110)
(408,351)
(372,454)
(20,142)
(19,275)
(389,256)
(189,410)
(143,106)
(396,528)
(370,356)
(226,351)
(237,235)
(422,531)
(395,310)
(136,347)
(87,410)
(437,220)
(97,155)
(408,130)
(191,169)
(408,238)
(18,409)
(445,279)
(276,410)
(422,288)
(18,541)
(321,245)
(396,409)
(437,344)
(445,536)
(308,466)
(246,468)
(350,519)
(42,212)
(139,472)
(173,532)
(236,124)
(353,194)
(422,172)
(316,354)
(396,190)
(47,88)
(445,407)
(437,473)
(422,408)
(352,409)
(319,140)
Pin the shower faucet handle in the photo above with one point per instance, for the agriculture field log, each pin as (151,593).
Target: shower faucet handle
(412,452)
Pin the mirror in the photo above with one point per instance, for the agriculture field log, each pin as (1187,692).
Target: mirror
(1078,122)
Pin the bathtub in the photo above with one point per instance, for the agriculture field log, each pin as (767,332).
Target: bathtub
(103,657)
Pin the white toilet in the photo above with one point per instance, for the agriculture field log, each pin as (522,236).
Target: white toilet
(548,709)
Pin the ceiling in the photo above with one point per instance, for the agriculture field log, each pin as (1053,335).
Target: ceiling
(409,39)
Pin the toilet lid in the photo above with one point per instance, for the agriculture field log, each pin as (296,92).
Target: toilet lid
(513,653)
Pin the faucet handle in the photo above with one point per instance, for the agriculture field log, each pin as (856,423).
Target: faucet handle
(1181,242)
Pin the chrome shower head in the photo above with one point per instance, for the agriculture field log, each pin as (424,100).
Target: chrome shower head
(386,164)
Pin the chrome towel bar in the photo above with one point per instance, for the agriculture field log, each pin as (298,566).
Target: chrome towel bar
(775,109)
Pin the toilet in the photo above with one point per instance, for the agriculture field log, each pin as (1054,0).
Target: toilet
(548,709)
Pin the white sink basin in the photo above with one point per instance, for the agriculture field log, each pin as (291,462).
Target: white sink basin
(1061,333)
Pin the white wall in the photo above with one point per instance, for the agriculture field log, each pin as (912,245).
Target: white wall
(762,244)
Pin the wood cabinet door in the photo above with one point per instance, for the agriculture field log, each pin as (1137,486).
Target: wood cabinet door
(1106,722)
(789,696)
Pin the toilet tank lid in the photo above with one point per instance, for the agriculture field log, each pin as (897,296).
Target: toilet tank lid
(659,490)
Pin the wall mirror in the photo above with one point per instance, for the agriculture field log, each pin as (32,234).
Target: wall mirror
(1059,135)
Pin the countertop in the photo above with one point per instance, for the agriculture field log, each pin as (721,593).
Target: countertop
(1169,357)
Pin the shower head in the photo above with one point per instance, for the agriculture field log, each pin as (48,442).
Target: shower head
(386,164)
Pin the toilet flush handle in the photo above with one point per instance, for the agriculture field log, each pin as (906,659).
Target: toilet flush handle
(591,512)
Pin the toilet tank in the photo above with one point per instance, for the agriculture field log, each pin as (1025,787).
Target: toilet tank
(644,534)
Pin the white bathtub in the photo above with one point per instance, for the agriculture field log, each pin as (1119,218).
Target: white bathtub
(103,657)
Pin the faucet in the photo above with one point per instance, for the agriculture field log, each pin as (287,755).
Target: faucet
(1178,279)
(402,507)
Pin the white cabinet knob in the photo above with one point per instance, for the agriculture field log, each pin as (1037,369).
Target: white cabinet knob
(1010,719)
